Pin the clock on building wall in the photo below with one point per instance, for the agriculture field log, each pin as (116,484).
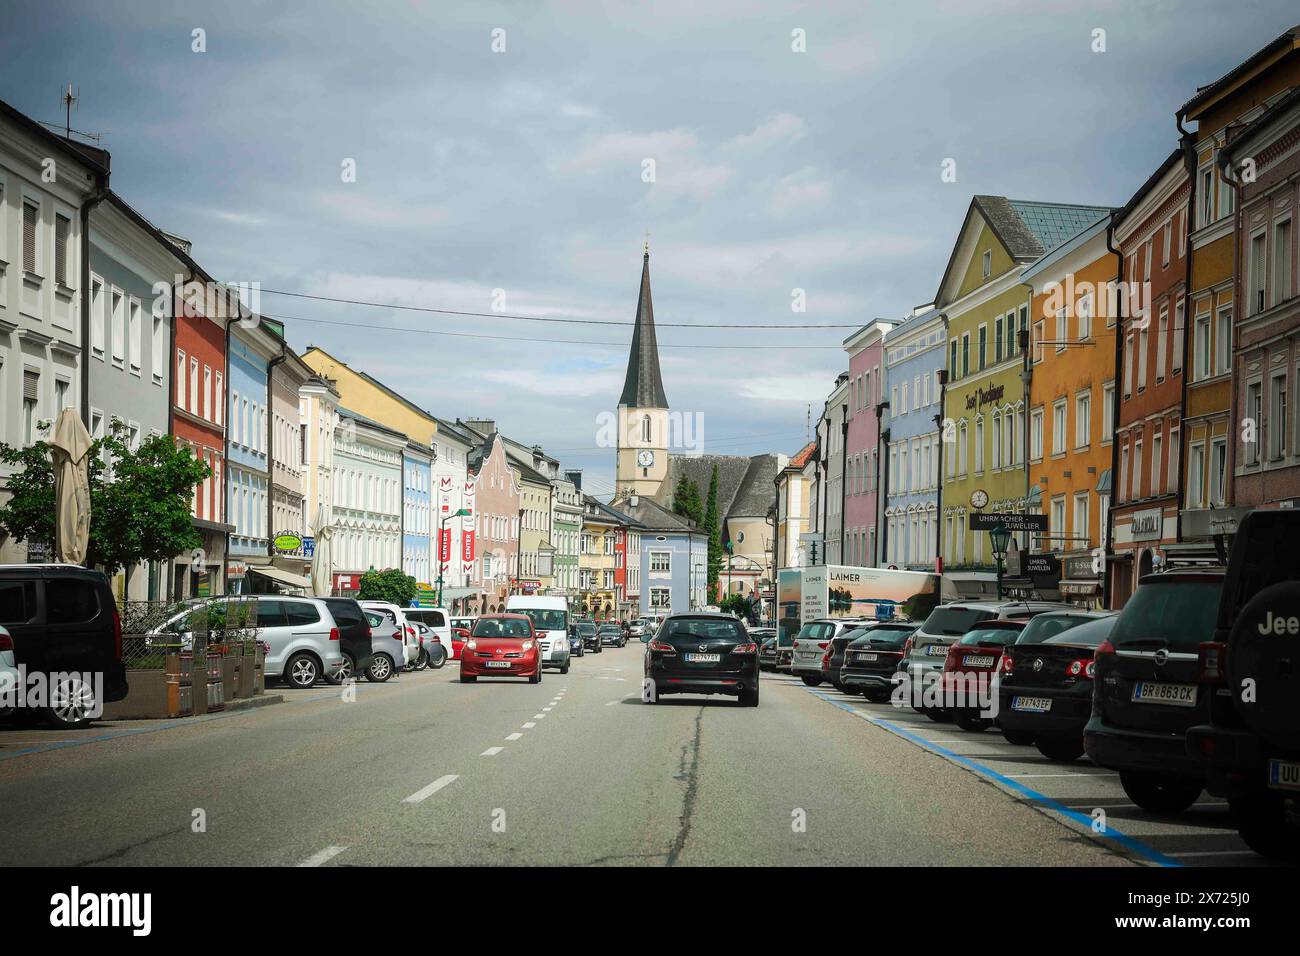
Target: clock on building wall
(979,498)
(645,458)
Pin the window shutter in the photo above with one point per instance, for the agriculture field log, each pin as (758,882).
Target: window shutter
(61,249)
(31,385)
(29,237)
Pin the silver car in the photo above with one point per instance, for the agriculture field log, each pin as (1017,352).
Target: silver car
(812,642)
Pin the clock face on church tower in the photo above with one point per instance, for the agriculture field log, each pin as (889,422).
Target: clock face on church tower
(645,458)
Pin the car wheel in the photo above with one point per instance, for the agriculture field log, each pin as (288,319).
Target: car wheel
(346,670)
(810,681)
(1060,749)
(969,720)
(467,678)
(876,696)
(1021,738)
(937,714)
(421,660)
(302,670)
(536,677)
(749,698)
(1160,793)
(565,668)
(71,703)
(380,669)
(438,659)
(1261,823)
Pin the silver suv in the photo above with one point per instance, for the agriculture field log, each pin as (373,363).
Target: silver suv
(813,641)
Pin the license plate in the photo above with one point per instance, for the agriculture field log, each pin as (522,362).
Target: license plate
(1284,775)
(703,658)
(937,650)
(978,660)
(1032,705)
(1152,692)
(868,657)
(498,663)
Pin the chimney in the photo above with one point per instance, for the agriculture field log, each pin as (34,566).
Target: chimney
(633,500)
(574,475)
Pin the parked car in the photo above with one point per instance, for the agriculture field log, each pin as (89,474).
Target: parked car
(1045,686)
(62,619)
(502,645)
(459,635)
(812,642)
(576,648)
(550,617)
(969,670)
(767,654)
(702,654)
(1249,748)
(387,644)
(638,627)
(590,636)
(436,620)
(835,656)
(9,676)
(611,635)
(410,638)
(354,637)
(871,658)
(1145,689)
(927,651)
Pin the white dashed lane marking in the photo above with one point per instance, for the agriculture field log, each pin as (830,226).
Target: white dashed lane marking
(514,736)
(425,793)
(529,725)
(324,856)
(492,751)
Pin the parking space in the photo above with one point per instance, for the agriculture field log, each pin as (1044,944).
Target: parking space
(1082,795)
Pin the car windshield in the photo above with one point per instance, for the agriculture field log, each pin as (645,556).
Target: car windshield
(587,628)
(1045,626)
(883,637)
(1171,614)
(991,635)
(1090,634)
(954,621)
(501,627)
(704,628)
(546,619)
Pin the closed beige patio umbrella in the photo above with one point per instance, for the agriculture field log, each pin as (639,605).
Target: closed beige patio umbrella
(71,451)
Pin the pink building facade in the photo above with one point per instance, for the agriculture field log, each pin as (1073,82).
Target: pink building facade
(862,448)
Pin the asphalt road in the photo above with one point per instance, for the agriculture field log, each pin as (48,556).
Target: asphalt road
(573,771)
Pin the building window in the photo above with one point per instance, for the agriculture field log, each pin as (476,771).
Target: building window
(1218,471)
(661,598)
(194,385)
(1196,475)
(62,229)
(1282,262)
(1062,328)
(1162,332)
(133,309)
(1205,207)
(984,336)
(1277,420)
(1081,534)
(988,263)
(1254,411)
(1201,347)
(31,398)
(952,363)
(1256,273)
(1039,332)
(1058,427)
(1137,469)
(1128,365)
(1108,412)
(97,316)
(1223,340)
(1125,493)
(1175,454)
(1180,331)
(1057,528)
(645,428)
(31,213)
(1082,420)
(965,354)
(118,305)
(1036,434)
(1168,243)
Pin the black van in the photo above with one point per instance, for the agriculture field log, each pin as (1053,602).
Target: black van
(64,621)
(1249,748)
(354,636)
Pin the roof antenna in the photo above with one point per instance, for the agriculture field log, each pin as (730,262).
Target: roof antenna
(69,98)
(807,424)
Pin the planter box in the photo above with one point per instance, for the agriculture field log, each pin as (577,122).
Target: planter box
(147,698)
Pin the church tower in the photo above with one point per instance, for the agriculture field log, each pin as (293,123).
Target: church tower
(642,456)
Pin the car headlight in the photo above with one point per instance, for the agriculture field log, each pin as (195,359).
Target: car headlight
(528,645)
(471,644)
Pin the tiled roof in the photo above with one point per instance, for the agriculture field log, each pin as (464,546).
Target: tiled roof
(803,455)
(1053,223)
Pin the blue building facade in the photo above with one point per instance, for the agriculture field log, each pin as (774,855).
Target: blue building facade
(673,558)
(914,355)
(247,452)
(417,514)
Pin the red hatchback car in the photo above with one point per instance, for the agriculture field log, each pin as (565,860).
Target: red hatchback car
(501,645)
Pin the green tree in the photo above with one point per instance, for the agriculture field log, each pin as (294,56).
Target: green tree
(713,526)
(738,604)
(391,585)
(680,494)
(139,499)
(694,506)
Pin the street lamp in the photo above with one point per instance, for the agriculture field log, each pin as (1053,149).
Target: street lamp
(1001,538)
(442,526)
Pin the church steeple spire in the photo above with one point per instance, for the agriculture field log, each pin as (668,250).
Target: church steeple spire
(643,387)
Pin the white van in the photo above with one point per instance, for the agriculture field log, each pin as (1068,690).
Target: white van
(550,617)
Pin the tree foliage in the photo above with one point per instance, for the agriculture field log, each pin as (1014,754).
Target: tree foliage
(139,499)
(391,585)
(714,527)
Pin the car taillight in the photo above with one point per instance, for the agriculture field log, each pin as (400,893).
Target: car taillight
(6,642)
(907,647)
(1210,663)
(746,649)
(1007,666)
(823,644)
(117,634)
(795,645)
(1104,649)
(436,639)
(334,633)
(662,647)
(1082,668)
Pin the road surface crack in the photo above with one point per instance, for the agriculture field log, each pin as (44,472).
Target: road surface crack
(689,773)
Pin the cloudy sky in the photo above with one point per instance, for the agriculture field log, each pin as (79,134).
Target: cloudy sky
(523,170)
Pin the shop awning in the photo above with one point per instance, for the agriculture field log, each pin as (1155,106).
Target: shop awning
(1082,586)
(281,576)
(454,594)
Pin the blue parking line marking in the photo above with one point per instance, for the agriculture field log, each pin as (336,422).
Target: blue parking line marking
(1123,839)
